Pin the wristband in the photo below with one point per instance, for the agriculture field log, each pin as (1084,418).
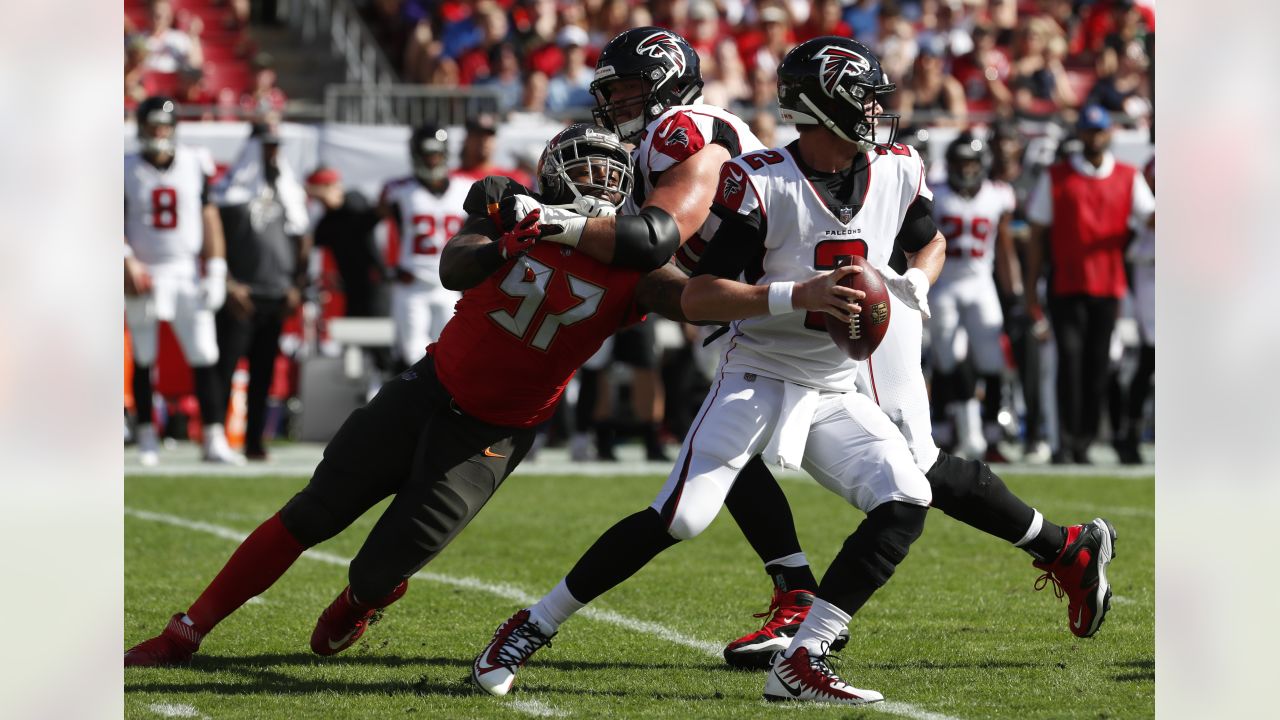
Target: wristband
(780,297)
(215,267)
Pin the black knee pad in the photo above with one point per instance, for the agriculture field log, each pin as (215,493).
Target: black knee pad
(881,542)
(958,483)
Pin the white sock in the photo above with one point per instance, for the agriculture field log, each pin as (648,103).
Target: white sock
(554,608)
(1037,522)
(820,628)
(214,435)
(792,560)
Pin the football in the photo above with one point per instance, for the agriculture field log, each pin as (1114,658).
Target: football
(859,337)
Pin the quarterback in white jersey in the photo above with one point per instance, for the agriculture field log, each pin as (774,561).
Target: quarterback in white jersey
(974,212)
(427,210)
(170,226)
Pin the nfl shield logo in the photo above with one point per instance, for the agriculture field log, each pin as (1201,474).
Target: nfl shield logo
(846,214)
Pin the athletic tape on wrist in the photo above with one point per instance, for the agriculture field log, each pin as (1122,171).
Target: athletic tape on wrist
(780,297)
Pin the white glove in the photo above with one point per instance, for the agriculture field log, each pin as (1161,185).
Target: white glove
(911,287)
(558,224)
(592,206)
(213,286)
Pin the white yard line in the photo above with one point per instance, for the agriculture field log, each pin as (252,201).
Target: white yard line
(515,594)
(175,710)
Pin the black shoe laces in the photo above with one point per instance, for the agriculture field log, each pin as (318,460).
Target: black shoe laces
(524,639)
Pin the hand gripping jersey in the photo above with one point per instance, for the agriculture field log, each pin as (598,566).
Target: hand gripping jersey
(802,237)
(970,225)
(516,338)
(672,138)
(163,219)
(426,221)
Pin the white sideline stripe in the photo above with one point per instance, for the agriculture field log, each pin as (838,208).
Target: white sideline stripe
(176,710)
(510,592)
(537,708)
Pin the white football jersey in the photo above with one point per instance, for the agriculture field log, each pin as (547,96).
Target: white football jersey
(672,138)
(802,238)
(426,222)
(971,225)
(163,219)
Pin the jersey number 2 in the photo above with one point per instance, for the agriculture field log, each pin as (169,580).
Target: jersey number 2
(164,208)
(529,279)
(829,255)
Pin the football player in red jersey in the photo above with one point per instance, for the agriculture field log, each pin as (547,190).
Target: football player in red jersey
(443,436)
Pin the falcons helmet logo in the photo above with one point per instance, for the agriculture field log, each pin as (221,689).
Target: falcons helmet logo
(838,62)
(662,44)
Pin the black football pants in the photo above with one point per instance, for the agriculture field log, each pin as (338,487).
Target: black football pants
(410,441)
(1082,327)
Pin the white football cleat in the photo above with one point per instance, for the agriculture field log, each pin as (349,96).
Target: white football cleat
(513,643)
(810,677)
(148,445)
(216,449)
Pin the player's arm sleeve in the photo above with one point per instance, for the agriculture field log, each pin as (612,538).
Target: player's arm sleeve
(472,255)
(743,227)
(918,228)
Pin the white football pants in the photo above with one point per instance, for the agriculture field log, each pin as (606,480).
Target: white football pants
(419,311)
(968,302)
(174,298)
(894,379)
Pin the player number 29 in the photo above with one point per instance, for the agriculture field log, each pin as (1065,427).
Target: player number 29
(529,280)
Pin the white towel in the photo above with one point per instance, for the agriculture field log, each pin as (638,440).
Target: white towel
(791,432)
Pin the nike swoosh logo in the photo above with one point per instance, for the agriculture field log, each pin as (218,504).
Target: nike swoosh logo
(334,645)
(1079,618)
(795,691)
(791,619)
(490,453)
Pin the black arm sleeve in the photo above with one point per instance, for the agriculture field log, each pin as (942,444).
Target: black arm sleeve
(918,228)
(645,241)
(723,134)
(465,266)
(737,243)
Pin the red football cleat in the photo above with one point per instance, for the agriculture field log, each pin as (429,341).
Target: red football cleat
(174,646)
(810,677)
(1080,573)
(754,651)
(344,621)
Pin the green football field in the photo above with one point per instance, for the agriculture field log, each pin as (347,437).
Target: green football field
(958,632)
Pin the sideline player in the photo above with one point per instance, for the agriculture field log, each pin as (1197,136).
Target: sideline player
(974,213)
(443,435)
(427,209)
(170,224)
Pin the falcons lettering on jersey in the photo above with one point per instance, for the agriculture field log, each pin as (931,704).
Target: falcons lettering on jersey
(662,44)
(732,186)
(838,62)
(678,137)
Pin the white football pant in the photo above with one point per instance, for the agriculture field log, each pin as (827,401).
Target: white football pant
(175,298)
(971,303)
(419,311)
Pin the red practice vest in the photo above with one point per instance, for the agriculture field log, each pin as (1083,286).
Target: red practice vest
(1090,230)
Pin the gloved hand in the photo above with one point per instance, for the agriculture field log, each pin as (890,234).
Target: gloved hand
(517,241)
(911,287)
(213,286)
(592,206)
(558,225)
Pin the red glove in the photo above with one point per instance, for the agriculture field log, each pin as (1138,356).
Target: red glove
(517,241)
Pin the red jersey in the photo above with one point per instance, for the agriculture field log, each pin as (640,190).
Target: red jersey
(1090,230)
(516,338)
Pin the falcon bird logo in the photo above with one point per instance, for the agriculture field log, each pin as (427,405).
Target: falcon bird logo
(663,44)
(679,136)
(837,62)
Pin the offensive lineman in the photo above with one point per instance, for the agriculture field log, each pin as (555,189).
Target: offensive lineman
(427,209)
(170,224)
(973,212)
(443,436)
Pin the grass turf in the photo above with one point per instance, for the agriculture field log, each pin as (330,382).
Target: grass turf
(958,632)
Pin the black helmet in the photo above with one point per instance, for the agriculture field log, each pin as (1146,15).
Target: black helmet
(426,141)
(590,148)
(917,138)
(836,82)
(663,60)
(154,111)
(964,149)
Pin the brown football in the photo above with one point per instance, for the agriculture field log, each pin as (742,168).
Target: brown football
(859,337)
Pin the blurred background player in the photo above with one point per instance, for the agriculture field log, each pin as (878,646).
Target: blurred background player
(427,210)
(1142,256)
(345,225)
(264,211)
(973,212)
(170,226)
(636,347)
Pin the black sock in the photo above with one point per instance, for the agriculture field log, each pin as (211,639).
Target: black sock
(206,390)
(619,553)
(142,403)
(606,434)
(786,579)
(1046,546)
(762,512)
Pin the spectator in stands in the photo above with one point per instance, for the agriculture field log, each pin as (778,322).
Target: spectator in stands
(479,60)
(672,15)
(264,212)
(1038,79)
(946,27)
(391,28)
(477,151)
(824,19)
(264,97)
(705,28)
(765,127)
(504,76)
(346,227)
(135,68)
(611,20)
(168,48)
(984,71)
(1123,85)
(197,98)
(775,23)
(931,97)
(421,53)
(533,94)
(1082,211)
(1105,17)
(730,72)
(764,90)
(570,88)
(898,46)
(863,16)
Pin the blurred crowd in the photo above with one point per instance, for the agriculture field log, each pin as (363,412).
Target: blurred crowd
(955,61)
